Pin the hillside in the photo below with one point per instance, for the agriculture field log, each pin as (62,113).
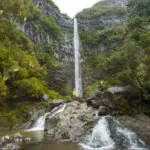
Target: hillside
(35,56)
(115,46)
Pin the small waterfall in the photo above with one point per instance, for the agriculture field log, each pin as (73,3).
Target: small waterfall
(100,138)
(109,134)
(40,122)
(78,81)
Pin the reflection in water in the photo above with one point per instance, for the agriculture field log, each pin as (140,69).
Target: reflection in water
(47,145)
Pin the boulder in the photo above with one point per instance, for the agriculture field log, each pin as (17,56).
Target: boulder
(108,98)
(70,124)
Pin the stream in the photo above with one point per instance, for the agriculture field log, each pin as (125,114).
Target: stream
(107,134)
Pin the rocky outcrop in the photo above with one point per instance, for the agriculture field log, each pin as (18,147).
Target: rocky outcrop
(91,19)
(56,102)
(51,10)
(140,124)
(13,142)
(72,123)
(101,23)
(41,33)
(108,99)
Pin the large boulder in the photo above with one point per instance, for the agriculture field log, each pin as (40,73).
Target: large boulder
(70,124)
(108,98)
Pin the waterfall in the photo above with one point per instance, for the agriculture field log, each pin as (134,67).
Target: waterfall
(78,81)
(40,122)
(110,134)
(100,137)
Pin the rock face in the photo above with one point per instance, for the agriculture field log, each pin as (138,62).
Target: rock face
(52,33)
(108,99)
(63,44)
(70,124)
(90,20)
(51,10)
(140,124)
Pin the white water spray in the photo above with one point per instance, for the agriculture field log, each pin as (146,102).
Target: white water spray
(100,138)
(110,134)
(40,122)
(78,81)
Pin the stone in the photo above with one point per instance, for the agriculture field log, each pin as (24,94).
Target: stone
(70,124)
(99,98)
(103,110)
(12,142)
(116,89)
(17,135)
(56,102)
(27,139)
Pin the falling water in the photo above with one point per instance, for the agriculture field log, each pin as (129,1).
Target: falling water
(40,122)
(110,134)
(100,138)
(78,82)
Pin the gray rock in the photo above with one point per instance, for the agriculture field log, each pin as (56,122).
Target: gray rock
(99,98)
(108,99)
(70,124)
(56,102)
(116,89)
(102,111)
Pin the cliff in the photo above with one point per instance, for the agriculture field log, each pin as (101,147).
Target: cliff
(103,15)
(51,32)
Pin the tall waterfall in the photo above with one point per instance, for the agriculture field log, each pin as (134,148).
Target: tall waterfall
(110,134)
(78,80)
(40,122)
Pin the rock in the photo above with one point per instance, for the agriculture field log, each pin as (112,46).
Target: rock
(27,139)
(56,102)
(10,146)
(102,110)
(140,124)
(12,142)
(70,124)
(17,135)
(99,98)
(108,99)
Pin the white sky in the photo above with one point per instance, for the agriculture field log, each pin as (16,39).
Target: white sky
(72,7)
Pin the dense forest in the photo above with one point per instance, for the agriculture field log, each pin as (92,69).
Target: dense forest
(123,58)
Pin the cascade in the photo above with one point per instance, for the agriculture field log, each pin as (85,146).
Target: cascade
(78,80)
(40,122)
(110,134)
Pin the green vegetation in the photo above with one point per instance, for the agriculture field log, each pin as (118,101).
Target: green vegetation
(120,55)
(103,11)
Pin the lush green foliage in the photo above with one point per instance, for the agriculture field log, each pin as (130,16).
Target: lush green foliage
(25,66)
(125,60)
(103,11)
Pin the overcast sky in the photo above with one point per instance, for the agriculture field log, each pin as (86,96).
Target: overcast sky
(71,7)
